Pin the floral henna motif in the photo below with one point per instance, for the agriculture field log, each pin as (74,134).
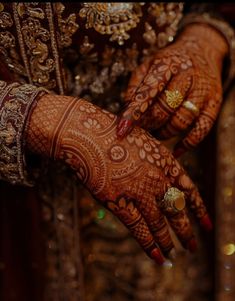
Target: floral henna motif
(161,70)
(129,177)
(126,210)
(191,66)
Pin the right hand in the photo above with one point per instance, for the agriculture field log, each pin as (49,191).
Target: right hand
(129,177)
(178,92)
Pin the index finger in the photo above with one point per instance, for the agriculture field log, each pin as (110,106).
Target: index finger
(137,76)
(153,83)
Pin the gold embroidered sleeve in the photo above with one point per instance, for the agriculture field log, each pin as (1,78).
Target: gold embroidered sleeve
(16,103)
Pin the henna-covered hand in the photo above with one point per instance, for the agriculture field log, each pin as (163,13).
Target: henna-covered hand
(192,67)
(129,177)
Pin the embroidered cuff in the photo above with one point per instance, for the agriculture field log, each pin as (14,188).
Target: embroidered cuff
(16,104)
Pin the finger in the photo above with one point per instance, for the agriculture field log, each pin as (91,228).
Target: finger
(136,79)
(181,225)
(153,83)
(177,217)
(189,110)
(193,199)
(156,223)
(181,120)
(169,100)
(200,129)
(131,217)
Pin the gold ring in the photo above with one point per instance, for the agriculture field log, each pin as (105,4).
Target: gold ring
(173,201)
(191,107)
(173,98)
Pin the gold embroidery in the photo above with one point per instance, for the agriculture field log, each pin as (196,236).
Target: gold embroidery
(35,38)
(98,75)
(40,64)
(38,45)
(54,47)
(8,43)
(67,27)
(15,103)
(86,46)
(167,16)
(114,19)
(5,19)
(149,35)
(95,72)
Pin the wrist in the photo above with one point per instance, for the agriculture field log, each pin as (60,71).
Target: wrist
(226,30)
(206,34)
(43,123)
(81,143)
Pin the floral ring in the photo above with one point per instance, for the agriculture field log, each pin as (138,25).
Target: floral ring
(173,98)
(173,201)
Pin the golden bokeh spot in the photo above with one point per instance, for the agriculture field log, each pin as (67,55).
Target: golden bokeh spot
(228,249)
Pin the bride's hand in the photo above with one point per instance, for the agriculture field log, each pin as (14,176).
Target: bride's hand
(179,90)
(137,178)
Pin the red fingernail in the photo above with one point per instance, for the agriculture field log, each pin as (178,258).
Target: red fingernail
(123,127)
(178,152)
(206,223)
(157,256)
(192,245)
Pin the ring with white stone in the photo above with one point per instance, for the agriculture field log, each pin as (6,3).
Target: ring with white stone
(189,105)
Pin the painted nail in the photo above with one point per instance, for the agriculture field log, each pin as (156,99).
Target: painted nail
(192,245)
(123,127)
(157,256)
(206,223)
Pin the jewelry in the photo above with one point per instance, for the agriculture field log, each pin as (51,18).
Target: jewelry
(173,201)
(191,107)
(173,98)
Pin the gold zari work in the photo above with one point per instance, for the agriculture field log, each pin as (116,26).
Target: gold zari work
(114,19)
(67,26)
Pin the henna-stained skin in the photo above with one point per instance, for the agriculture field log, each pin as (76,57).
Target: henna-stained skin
(129,177)
(191,65)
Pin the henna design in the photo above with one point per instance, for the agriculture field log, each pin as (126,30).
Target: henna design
(129,177)
(162,68)
(161,111)
(191,65)
(127,212)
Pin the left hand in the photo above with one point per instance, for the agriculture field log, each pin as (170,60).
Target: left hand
(137,178)
(178,91)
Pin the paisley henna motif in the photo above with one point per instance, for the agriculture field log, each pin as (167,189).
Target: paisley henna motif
(192,66)
(129,177)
